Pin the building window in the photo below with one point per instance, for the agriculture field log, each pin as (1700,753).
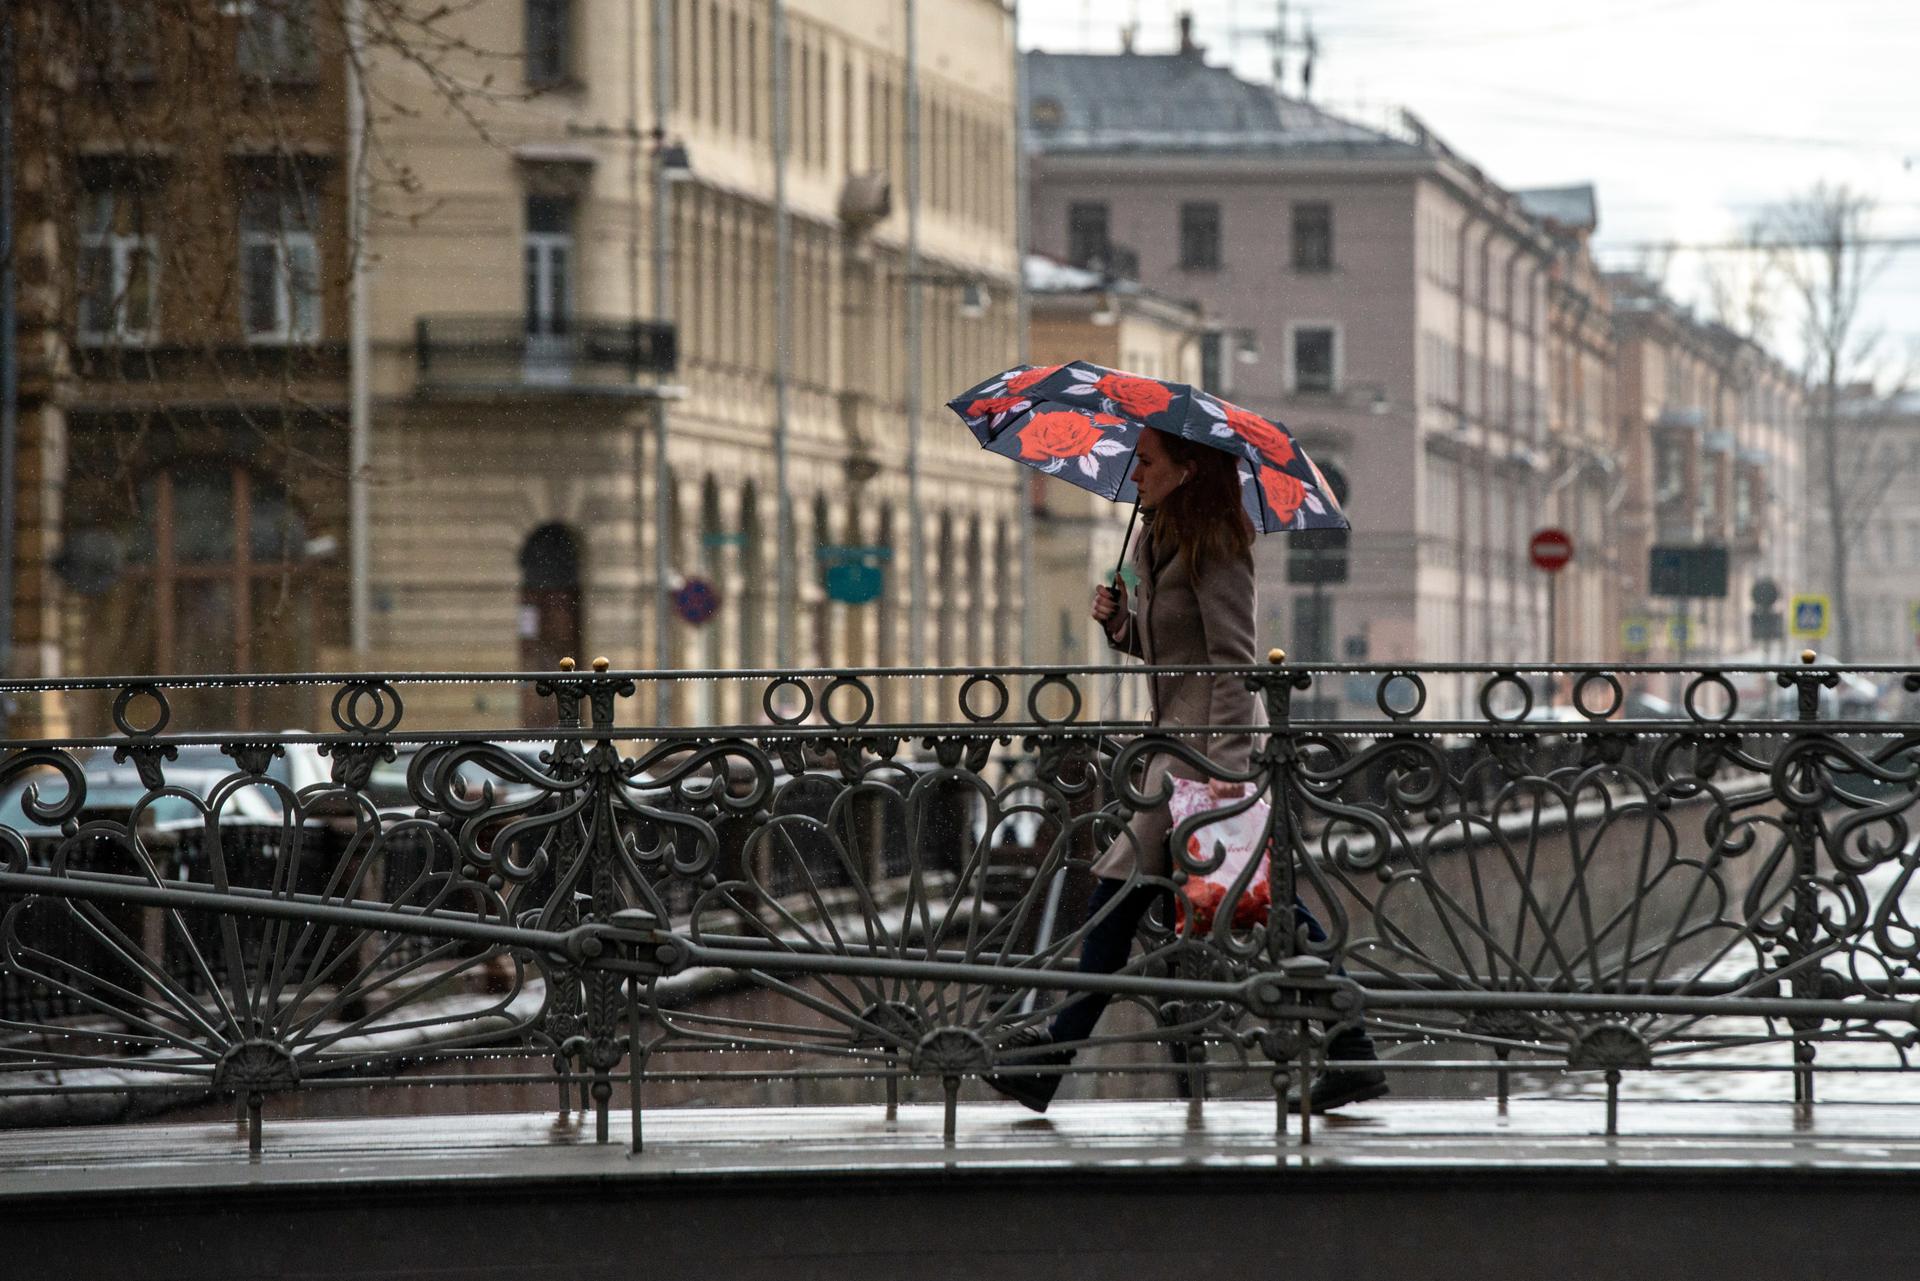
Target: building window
(1214,365)
(549,287)
(1200,235)
(119,267)
(1312,236)
(1313,359)
(220,576)
(549,41)
(116,41)
(276,40)
(1087,238)
(279,263)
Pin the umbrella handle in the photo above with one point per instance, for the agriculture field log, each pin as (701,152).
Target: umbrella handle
(1124,541)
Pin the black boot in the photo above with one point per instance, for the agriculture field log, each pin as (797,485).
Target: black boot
(1031,1090)
(1341,1086)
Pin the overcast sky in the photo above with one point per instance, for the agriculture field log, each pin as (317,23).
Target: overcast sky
(1687,115)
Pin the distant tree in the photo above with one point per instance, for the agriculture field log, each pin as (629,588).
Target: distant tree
(1821,245)
(1741,290)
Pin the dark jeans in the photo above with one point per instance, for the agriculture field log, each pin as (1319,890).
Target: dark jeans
(1107,944)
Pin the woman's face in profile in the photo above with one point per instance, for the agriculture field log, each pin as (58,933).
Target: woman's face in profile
(1155,473)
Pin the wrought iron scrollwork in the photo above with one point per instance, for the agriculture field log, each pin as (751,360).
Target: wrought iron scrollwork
(1496,860)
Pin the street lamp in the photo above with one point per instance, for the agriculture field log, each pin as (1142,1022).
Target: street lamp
(671,164)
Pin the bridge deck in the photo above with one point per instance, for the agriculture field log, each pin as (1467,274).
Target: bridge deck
(841,1192)
(991,1136)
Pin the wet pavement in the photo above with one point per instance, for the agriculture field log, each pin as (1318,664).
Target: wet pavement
(1131,1135)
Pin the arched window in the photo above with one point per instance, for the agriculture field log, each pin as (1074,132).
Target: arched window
(947,584)
(1007,565)
(976,602)
(888,650)
(753,583)
(550,622)
(823,655)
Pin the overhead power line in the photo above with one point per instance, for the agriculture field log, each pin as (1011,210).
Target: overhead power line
(1751,246)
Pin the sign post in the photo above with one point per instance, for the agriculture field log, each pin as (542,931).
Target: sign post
(1551,549)
(1768,627)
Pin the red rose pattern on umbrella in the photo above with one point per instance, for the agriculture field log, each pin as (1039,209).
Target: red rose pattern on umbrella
(1274,445)
(1054,438)
(994,405)
(1141,397)
(1284,493)
(1283,489)
(995,410)
(1021,381)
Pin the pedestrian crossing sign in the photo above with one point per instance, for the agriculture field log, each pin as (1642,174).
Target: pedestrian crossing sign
(1636,635)
(1811,616)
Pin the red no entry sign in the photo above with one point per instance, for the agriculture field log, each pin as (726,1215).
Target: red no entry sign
(1551,549)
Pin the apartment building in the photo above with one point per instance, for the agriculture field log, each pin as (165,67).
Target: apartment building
(182,405)
(1713,441)
(436,443)
(1385,299)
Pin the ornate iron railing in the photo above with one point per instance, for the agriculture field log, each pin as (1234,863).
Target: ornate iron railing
(877,876)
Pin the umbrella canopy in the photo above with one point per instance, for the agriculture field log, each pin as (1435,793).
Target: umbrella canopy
(1082,422)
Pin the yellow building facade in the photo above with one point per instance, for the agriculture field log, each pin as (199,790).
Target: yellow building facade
(515,486)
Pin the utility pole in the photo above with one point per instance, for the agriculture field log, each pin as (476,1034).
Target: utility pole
(359,353)
(1023,488)
(1280,39)
(662,313)
(9,349)
(916,550)
(788,593)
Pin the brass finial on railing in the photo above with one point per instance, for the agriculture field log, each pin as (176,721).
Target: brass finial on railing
(567,664)
(1276,655)
(601,664)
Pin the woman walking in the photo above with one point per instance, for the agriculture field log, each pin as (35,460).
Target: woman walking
(1194,561)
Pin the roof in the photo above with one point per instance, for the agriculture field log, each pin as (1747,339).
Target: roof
(1574,208)
(1048,277)
(1857,402)
(1104,101)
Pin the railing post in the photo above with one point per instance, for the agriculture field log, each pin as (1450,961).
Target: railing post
(604,1048)
(1804,825)
(1291,1050)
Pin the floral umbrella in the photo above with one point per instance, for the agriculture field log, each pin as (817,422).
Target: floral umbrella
(1082,422)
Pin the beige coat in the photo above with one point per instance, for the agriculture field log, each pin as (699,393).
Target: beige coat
(1183,619)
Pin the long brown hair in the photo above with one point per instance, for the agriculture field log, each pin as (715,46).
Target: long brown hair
(1203,516)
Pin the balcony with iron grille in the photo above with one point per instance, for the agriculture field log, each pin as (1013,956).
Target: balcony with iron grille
(502,353)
